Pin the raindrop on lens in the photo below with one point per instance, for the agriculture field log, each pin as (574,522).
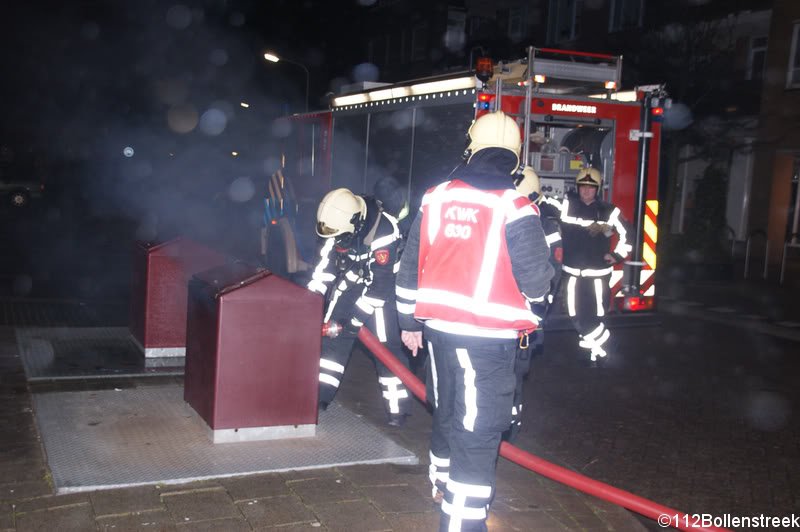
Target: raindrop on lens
(179,17)
(127,151)
(213,122)
(767,411)
(182,118)
(281,128)
(365,72)
(218,57)
(241,189)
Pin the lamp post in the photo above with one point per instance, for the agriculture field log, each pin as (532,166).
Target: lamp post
(272,58)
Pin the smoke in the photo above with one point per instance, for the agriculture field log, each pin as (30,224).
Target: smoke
(767,411)
(678,116)
(365,72)
(156,122)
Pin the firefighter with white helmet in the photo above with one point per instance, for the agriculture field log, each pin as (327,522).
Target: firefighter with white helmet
(528,184)
(495,130)
(339,212)
(587,226)
(355,272)
(475,261)
(589,176)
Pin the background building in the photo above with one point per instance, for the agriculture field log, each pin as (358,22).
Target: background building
(774,190)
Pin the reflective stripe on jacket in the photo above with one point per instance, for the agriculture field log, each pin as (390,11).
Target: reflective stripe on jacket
(465,279)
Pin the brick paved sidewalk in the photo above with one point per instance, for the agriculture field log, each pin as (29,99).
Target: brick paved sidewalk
(370,497)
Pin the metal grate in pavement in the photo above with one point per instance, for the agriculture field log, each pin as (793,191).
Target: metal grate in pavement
(54,353)
(116,438)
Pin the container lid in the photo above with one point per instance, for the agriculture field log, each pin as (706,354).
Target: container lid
(230,276)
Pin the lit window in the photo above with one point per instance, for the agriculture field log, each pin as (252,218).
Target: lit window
(793,75)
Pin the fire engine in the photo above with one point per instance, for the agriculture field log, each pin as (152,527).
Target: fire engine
(569,107)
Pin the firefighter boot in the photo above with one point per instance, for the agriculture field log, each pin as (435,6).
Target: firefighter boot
(396,420)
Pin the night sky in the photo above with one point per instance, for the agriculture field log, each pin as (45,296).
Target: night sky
(71,68)
(134,108)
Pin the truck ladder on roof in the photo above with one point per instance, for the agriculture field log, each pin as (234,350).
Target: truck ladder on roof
(570,65)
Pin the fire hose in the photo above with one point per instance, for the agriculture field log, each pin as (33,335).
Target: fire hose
(552,471)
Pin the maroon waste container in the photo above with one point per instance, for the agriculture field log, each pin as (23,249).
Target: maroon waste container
(161,272)
(252,354)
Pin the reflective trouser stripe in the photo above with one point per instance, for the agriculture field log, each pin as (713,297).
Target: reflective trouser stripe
(459,510)
(335,354)
(438,470)
(470,392)
(434,376)
(331,365)
(329,379)
(380,325)
(393,393)
(594,341)
(598,294)
(592,336)
(571,295)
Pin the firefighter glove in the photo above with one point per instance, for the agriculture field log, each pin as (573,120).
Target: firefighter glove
(596,228)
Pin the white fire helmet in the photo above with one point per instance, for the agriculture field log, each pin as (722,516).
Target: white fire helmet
(337,211)
(589,176)
(529,183)
(495,130)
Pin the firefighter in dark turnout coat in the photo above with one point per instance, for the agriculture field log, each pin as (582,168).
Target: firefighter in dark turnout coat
(356,273)
(527,184)
(475,261)
(587,225)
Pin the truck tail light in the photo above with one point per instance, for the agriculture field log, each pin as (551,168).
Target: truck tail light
(485,100)
(638,303)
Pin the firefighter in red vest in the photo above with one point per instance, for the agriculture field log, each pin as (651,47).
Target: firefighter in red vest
(356,272)
(475,261)
(587,225)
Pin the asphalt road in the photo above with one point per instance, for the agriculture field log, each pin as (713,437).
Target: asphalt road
(695,414)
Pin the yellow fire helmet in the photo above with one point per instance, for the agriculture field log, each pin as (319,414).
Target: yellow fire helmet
(336,212)
(495,130)
(529,183)
(589,176)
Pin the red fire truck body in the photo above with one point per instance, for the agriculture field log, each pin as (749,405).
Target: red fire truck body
(569,110)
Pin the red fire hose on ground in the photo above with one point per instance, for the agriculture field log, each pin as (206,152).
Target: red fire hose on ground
(664,515)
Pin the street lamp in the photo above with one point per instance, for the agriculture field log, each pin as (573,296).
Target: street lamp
(272,58)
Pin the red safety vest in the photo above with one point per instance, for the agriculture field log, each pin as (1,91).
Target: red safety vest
(464,275)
